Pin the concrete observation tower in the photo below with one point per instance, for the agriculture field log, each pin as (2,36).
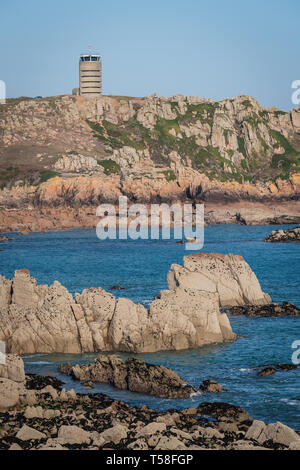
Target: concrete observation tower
(90,75)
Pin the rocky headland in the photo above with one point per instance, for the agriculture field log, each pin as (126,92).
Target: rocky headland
(40,318)
(60,157)
(284,236)
(36,413)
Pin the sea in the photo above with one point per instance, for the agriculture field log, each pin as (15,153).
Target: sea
(78,259)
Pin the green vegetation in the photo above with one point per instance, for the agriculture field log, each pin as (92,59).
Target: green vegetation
(280,113)
(46,175)
(288,161)
(254,120)
(226,133)
(170,175)
(283,142)
(110,166)
(162,128)
(263,142)
(241,145)
(247,103)
(203,112)
(160,143)
(115,135)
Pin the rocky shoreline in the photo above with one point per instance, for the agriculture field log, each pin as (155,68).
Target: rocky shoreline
(38,414)
(63,217)
(272,310)
(284,236)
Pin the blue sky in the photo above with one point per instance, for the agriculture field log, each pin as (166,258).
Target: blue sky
(212,48)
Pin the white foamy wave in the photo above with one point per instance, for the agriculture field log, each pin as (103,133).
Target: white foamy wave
(290,401)
(245,370)
(196,394)
(33,355)
(42,363)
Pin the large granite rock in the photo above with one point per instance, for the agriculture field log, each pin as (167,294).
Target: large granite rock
(227,275)
(41,319)
(38,319)
(133,375)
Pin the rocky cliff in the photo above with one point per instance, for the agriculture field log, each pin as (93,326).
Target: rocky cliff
(233,139)
(68,151)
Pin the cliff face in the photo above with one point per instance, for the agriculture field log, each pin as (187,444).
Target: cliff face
(68,151)
(234,139)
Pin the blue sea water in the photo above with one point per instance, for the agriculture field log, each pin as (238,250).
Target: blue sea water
(78,260)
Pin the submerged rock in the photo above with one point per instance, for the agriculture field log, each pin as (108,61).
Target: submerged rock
(46,319)
(271,369)
(133,375)
(211,386)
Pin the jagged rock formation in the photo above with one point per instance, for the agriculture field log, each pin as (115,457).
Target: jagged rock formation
(233,138)
(49,319)
(280,236)
(133,375)
(75,163)
(228,275)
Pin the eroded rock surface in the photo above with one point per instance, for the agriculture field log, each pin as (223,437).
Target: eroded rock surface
(52,418)
(272,310)
(227,275)
(39,318)
(133,375)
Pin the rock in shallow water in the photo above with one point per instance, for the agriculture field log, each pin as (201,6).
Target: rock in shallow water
(66,421)
(41,319)
(133,375)
(272,310)
(284,236)
(271,369)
